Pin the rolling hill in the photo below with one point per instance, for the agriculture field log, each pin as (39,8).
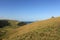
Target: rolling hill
(41,30)
(8,26)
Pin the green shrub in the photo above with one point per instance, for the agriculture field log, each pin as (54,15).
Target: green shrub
(21,23)
(4,23)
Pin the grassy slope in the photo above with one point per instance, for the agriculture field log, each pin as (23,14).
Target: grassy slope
(8,29)
(41,30)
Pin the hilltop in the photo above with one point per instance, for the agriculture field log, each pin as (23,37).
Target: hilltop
(41,30)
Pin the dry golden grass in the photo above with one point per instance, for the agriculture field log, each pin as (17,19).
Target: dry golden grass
(40,30)
(6,30)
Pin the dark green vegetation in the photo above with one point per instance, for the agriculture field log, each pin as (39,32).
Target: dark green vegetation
(4,23)
(21,23)
(40,30)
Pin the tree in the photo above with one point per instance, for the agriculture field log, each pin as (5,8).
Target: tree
(52,17)
(21,23)
(4,23)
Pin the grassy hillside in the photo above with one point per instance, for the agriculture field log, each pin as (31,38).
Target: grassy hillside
(8,26)
(41,30)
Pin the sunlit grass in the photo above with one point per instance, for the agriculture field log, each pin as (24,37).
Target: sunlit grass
(41,30)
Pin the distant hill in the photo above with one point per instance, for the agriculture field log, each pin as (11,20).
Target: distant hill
(8,26)
(41,30)
(4,23)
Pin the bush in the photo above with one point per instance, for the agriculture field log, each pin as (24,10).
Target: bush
(52,17)
(21,23)
(4,23)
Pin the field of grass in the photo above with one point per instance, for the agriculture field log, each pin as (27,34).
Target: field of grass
(41,30)
(8,27)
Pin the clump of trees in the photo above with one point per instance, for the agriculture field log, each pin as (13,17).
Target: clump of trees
(4,23)
(21,23)
(52,17)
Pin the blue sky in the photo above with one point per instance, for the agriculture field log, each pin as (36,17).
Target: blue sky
(29,10)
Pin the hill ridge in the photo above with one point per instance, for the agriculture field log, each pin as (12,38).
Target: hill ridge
(36,28)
